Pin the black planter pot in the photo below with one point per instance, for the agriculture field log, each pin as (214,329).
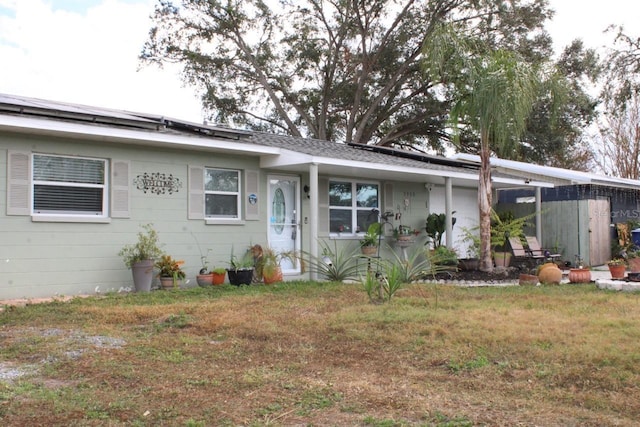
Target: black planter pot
(239,277)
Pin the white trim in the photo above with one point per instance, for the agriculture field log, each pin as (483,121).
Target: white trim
(220,221)
(61,218)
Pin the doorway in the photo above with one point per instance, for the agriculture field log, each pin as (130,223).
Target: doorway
(284,219)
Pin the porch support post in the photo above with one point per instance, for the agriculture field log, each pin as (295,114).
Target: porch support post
(313,216)
(539,214)
(448,202)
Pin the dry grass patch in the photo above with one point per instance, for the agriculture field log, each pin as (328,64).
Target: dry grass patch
(321,354)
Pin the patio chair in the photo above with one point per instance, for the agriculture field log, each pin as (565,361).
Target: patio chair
(538,251)
(520,252)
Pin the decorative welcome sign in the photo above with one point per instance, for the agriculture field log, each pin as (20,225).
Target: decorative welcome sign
(157,183)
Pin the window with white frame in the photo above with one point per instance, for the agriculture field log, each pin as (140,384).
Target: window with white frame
(352,205)
(74,186)
(222,193)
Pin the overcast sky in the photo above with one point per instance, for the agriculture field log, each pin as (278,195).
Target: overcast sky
(86,51)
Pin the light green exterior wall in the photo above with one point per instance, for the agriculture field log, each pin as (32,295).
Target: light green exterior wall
(53,258)
(43,259)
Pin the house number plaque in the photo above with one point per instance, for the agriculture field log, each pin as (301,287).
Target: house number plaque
(157,183)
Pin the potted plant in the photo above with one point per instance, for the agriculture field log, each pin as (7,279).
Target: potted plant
(140,256)
(471,239)
(371,239)
(436,226)
(217,275)
(171,272)
(503,226)
(204,276)
(617,268)
(442,255)
(270,266)
(240,270)
(403,235)
(633,260)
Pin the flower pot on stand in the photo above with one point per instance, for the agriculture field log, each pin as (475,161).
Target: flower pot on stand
(142,275)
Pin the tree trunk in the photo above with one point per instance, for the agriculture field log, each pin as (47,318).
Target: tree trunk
(484,204)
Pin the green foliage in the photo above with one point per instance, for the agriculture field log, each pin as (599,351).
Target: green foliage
(332,70)
(372,236)
(334,264)
(442,255)
(504,225)
(382,286)
(240,263)
(436,226)
(147,247)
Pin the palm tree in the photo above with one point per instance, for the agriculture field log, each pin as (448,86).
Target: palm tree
(493,94)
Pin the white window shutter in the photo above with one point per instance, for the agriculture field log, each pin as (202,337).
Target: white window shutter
(252,187)
(388,198)
(120,191)
(323,205)
(196,192)
(18,183)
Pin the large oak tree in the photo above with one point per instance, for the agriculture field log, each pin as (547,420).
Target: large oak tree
(344,70)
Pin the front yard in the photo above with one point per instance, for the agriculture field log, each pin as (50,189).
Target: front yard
(322,354)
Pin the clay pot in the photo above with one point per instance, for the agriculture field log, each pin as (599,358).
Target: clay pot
(528,280)
(617,271)
(549,273)
(579,275)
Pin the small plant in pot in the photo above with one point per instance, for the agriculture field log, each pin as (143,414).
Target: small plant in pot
(270,266)
(218,274)
(471,238)
(371,239)
(171,272)
(240,270)
(204,276)
(140,256)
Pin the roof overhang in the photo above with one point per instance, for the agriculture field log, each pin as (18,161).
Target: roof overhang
(299,163)
(152,138)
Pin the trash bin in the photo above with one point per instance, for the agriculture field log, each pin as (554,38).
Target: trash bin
(635,237)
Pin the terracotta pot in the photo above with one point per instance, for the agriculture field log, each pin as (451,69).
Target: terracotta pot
(273,278)
(579,275)
(204,280)
(528,280)
(550,274)
(634,265)
(218,278)
(617,271)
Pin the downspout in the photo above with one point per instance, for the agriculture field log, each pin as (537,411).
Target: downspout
(448,202)
(313,216)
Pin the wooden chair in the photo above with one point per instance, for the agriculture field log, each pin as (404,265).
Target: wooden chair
(537,250)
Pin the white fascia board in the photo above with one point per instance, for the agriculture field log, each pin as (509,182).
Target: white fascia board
(293,158)
(48,127)
(521,182)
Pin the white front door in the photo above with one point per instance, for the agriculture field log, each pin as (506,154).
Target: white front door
(284,219)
